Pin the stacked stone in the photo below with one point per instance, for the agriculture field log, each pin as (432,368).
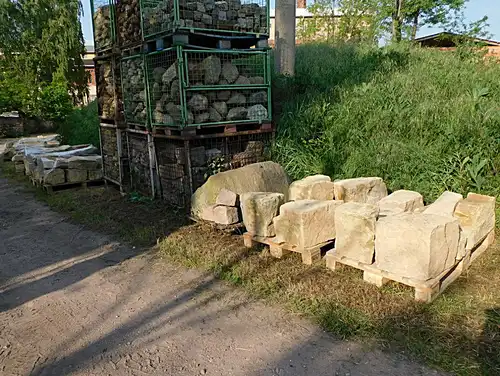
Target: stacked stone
(109,151)
(106,87)
(102,27)
(134,90)
(128,22)
(139,162)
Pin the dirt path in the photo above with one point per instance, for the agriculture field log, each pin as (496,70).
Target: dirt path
(75,302)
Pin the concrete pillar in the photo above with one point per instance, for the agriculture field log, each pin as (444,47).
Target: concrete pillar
(284,37)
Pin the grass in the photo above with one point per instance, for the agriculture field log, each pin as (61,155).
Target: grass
(81,126)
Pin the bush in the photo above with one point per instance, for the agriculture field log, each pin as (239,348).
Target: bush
(421,119)
(55,102)
(81,126)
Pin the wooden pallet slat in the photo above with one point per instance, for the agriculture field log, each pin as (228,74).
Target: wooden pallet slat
(50,189)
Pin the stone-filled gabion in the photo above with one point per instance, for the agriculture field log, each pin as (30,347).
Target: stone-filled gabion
(134,90)
(106,91)
(102,27)
(128,22)
(228,15)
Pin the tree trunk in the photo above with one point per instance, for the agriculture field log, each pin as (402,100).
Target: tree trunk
(284,37)
(414,27)
(397,22)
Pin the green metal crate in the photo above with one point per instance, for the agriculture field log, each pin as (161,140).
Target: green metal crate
(128,22)
(134,90)
(207,87)
(103,22)
(240,17)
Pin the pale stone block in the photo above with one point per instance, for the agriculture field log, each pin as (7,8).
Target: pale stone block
(445,204)
(355,227)
(477,217)
(95,175)
(54,177)
(75,176)
(227,198)
(365,190)
(259,209)
(316,187)
(306,223)
(224,215)
(419,246)
(87,162)
(400,202)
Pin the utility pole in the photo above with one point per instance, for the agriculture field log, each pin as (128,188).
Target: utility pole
(284,37)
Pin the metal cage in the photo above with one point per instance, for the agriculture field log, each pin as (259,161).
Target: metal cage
(128,22)
(134,90)
(109,91)
(103,22)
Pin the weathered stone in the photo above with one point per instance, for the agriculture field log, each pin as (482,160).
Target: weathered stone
(198,102)
(221,5)
(242,80)
(198,157)
(161,118)
(224,215)
(223,95)
(214,115)
(365,190)
(95,175)
(54,177)
(175,111)
(221,108)
(237,98)
(477,218)
(237,113)
(202,117)
(227,198)
(257,112)
(258,210)
(212,69)
(18,158)
(419,246)
(316,187)
(355,227)
(175,91)
(76,176)
(306,223)
(170,74)
(257,177)
(400,202)
(257,80)
(444,205)
(158,73)
(258,97)
(90,162)
(230,72)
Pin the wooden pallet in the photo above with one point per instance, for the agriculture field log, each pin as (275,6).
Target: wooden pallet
(278,250)
(210,131)
(425,291)
(67,186)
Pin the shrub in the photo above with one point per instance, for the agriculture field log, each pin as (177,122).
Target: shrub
(81,126)
(421,119)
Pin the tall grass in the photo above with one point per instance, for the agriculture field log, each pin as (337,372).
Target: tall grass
(81,126)
(421,119)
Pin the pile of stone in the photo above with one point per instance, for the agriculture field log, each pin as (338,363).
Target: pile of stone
(52,170)
(207,106)
(102,27)
(206,14)
(225,209)
(134,90)
(128,22)
(106,91)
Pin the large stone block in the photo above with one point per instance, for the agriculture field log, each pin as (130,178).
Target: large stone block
(306,223)
(259,209)
(257,177)
(365,190)
(355,228)
(76,176)
(227,198)
(95,175)
(224,215)
(445,204)
(54,177)
(419,246)
(316,187)
(477,217)
(400,202)
(89,162)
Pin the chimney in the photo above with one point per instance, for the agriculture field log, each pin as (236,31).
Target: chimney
(301,4)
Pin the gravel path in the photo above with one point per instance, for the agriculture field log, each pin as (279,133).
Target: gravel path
(76,302)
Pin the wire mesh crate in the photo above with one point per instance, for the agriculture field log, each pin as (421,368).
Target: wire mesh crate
(109,96)
(114,155)
(208,87)
(139,157)
(103,20)
(128,22)
(134,90)
(226,16)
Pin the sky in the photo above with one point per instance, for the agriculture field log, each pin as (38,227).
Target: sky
(475,10)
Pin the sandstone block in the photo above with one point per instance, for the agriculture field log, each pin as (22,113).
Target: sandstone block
(419,246)
(306,223)
(76,176)
(400,202)
(53,177)
(89,162)
(445,204)
(258,210)
(355,228)
(316,187)
(227,198)
(95,174)
(477,217)
(224,215)
(365,190)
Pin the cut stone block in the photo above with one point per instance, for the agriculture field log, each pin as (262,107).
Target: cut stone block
(227,198)
(95,175)
(355,228)
(365,190)
(306,223)
(400,202)
(259,209)
(477,217)
(418,246)
(224,215)
(18,158)
(89,162)
(445,204)
(54,177)
(76,176)
(316,187)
